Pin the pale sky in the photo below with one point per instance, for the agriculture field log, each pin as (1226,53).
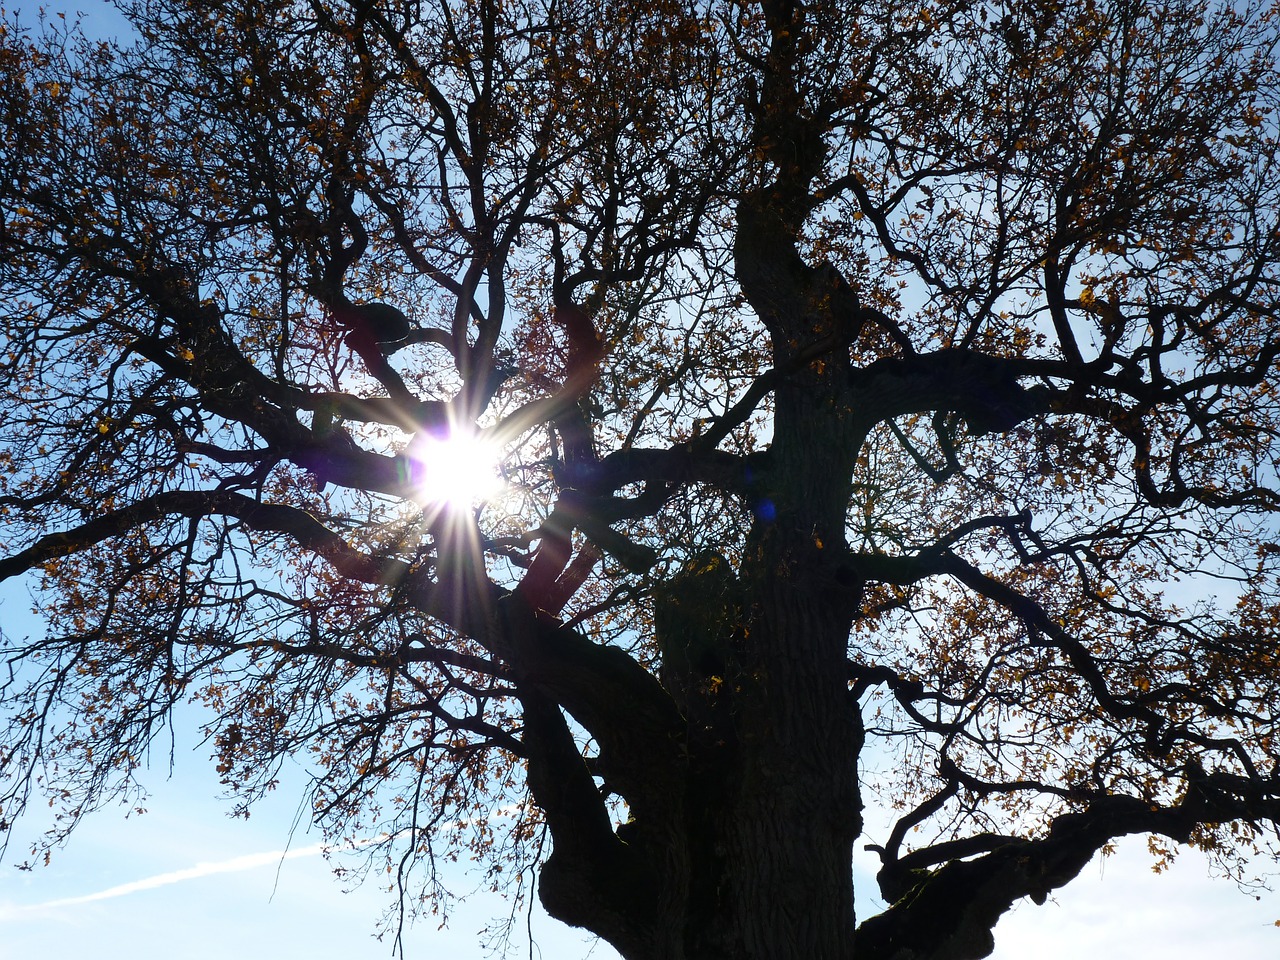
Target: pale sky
(185,880)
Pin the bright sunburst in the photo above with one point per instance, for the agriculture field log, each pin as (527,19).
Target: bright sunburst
(456,469)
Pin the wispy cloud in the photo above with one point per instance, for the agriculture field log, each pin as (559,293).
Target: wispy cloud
(250,861)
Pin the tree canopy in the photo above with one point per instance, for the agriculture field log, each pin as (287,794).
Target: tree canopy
(881,416)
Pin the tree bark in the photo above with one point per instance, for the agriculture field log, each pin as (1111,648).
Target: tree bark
(781,808)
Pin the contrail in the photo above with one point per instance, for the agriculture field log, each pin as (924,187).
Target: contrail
(250,861)
(247,862)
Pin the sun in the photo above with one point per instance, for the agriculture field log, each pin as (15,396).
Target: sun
(454,469)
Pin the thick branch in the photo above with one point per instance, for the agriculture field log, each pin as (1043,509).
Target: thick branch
(949,914)
(304,529)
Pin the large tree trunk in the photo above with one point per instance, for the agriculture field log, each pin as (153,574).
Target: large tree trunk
(786,827)
(771,809)
(740,844)
(785,811)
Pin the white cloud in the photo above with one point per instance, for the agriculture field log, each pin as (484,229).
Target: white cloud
(1118,907)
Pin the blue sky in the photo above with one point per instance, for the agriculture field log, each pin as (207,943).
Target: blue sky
(184,879)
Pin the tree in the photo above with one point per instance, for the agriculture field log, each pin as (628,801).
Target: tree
(882,386)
